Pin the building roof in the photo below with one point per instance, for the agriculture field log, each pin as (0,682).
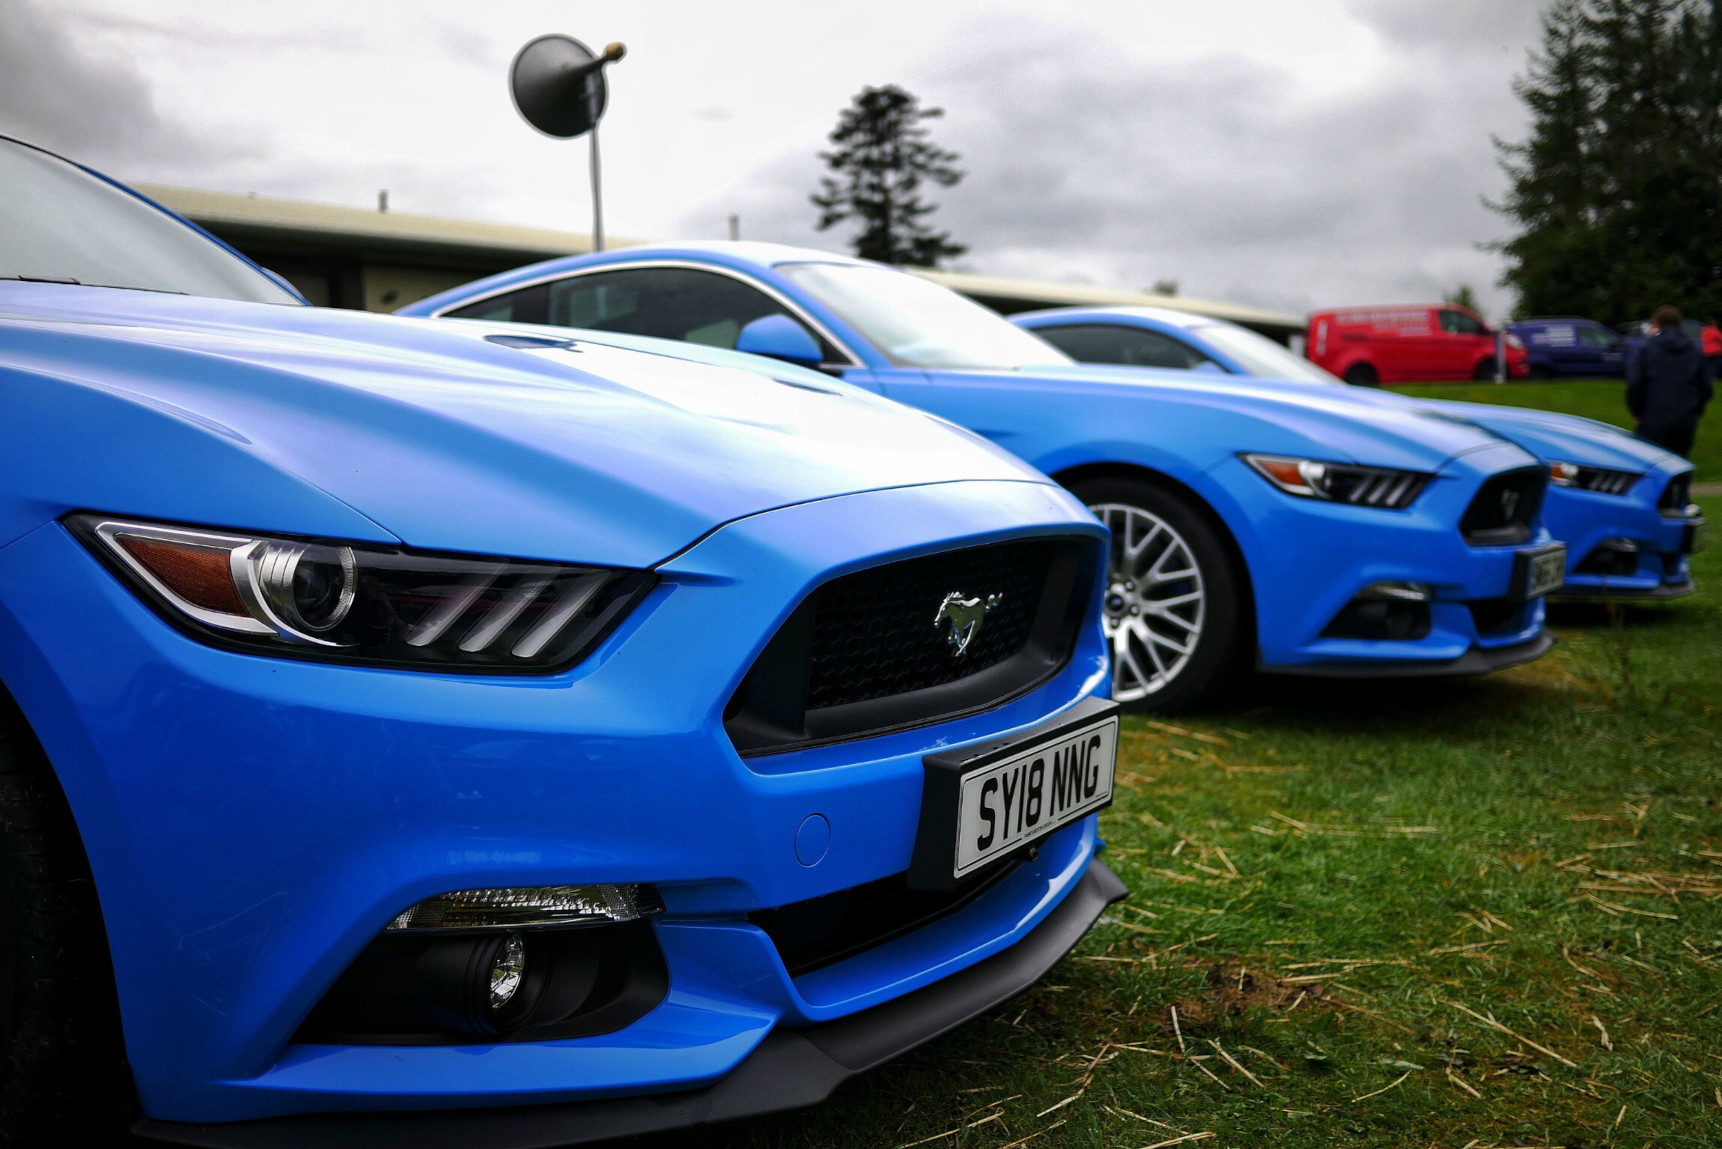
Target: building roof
(1014,295)
(361,232)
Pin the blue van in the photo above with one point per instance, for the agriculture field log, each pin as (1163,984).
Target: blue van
(1563,345)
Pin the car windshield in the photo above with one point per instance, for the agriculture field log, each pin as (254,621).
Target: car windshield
(1259,355)
(60,224)
(916,323)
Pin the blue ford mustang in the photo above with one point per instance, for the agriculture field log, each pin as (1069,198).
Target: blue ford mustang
(1620,504)
(417,731)
(1313,532)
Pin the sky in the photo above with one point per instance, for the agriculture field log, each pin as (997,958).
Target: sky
(1285,155)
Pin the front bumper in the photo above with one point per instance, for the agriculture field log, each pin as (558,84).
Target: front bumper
(252,823)
(791,1068)
(1309,559)
(1591,523)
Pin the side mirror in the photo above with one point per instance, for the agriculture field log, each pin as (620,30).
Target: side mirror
(779,337)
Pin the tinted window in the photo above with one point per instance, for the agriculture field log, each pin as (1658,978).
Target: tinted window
(1124,346)
(60,223)
(528,305)
(667,302)
(1458,323)
(1598,337)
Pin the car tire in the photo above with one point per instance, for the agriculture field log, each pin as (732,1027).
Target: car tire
(1362,375)
(1484,371)
(1539,373)
(1170,651)
(62,1070)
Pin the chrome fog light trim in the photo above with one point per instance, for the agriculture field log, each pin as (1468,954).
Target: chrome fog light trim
(1398,591)
(523,907)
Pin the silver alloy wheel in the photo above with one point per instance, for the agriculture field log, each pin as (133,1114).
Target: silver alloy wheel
(1155,601)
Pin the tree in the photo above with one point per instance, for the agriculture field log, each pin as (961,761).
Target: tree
(1463,296)
(882,157)
(1617,192)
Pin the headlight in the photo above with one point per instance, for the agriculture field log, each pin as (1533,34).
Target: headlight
(1598,479)
(1341,482)
(369,605)
(1514,342)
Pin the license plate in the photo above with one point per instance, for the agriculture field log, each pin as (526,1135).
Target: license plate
(979,805)
(1695,539)
(1537,572)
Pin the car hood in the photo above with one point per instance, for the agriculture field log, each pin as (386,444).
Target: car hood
(432,430)
(1329,422)
(1565,438)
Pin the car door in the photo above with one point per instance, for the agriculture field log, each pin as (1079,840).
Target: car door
(1607,351)
(1462,343)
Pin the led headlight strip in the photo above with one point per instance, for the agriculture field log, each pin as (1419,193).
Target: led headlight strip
(1359,486)
(358,603)
(1598,479)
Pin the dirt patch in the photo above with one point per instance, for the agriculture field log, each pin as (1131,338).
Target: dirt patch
(1232,989)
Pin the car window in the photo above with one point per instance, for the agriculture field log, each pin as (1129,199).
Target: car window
(678,303)
(1598,337)
(1458,323)
(60,224)
(914,322)
(1260,356)
(528,305)
(1124,346)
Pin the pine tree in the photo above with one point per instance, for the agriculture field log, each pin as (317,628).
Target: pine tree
(1618,190)
(882,156)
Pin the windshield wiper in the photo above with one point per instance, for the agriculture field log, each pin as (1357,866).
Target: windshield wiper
(42,279)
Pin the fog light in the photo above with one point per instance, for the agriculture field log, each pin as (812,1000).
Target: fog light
(1398,591)
(507,971)
(520,907)
(1617,557)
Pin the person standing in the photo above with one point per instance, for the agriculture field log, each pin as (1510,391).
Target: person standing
(1668,385)
(1710,341)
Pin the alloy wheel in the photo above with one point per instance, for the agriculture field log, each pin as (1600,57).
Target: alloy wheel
(1155,601)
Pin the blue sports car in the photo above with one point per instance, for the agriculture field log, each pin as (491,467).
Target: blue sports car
(1621,504)
(1304,532)
(414,733)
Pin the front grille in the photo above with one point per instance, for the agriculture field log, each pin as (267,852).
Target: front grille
(823,931)
(873,651)
(1497,615)
(873,632)
(1505,508)
(1675,496)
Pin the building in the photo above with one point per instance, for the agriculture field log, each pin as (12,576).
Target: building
(380,260)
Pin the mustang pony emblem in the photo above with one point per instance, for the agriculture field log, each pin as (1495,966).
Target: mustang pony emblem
(961,618)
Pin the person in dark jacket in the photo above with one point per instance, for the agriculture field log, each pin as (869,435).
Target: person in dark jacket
(1668,385)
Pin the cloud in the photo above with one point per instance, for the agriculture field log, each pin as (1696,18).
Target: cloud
(1235,175)
(58,94)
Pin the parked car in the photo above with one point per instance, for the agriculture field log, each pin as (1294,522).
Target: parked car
(459,734)
(1305,533)
(1370,345)
(1621,504)
(1634,333)
(1567,346)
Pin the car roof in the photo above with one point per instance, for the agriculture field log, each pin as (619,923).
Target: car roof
(1171,318)
(755,252)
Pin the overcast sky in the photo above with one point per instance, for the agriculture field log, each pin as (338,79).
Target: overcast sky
(1290,155)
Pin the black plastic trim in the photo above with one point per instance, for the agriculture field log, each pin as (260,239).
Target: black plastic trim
(790,1069)
(1474,661)
(1660,593)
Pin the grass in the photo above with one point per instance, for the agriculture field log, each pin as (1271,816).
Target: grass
(1601,399)
(1440,913)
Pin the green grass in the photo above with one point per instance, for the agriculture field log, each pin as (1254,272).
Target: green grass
(1602,399)
(1323,873)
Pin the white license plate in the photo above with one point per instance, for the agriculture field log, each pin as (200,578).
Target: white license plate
(1546,571)
(1029,795)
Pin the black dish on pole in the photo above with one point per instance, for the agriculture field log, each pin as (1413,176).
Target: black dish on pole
(558,84)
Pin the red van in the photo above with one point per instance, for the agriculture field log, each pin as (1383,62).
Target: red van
(1370,345)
